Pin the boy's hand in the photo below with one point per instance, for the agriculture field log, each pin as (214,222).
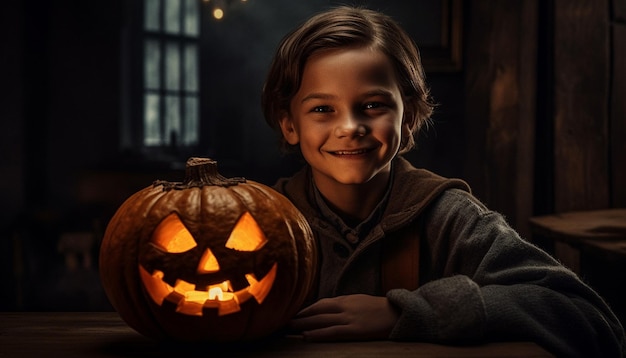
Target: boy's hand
(352,317)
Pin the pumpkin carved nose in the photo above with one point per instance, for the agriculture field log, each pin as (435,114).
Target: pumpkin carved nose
(208,263)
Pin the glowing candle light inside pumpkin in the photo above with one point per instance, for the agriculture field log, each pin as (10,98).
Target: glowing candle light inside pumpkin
(196,296)
(216,293)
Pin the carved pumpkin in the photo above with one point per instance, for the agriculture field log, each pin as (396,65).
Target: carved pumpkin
(208,259)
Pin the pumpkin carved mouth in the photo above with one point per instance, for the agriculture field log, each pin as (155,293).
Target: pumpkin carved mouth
(190,301)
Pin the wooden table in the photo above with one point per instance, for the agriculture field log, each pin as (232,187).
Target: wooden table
(596,230)
(104,334)
(593,245)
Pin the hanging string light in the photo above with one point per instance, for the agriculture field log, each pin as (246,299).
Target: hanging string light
(220,6)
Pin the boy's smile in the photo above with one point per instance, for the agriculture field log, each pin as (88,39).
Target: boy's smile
(346,116)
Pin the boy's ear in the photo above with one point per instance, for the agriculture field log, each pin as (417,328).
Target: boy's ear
(289,131)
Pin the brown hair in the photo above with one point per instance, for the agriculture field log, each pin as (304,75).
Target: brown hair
(342,27)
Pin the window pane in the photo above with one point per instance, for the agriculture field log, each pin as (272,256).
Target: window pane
(172,119)
(152,63)
(191,68)
(171,72)
(191,18)
(172,62)
(172,16)
(191,121)
(152,11)
(152,126)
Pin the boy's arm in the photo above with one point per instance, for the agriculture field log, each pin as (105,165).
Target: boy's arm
(498,287)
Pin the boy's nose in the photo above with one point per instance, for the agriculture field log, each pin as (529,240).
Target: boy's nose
(350,127)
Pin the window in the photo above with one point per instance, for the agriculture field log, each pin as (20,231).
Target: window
(170,43)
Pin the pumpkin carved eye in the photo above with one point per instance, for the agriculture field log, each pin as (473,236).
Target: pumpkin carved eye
(172,236)
(247,235)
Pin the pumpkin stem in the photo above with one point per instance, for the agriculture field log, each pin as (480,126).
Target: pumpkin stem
(200,172)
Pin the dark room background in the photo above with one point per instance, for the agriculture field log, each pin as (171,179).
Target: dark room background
(531,113)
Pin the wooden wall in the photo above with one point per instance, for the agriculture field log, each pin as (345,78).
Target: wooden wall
(617,116)
(500,89)
(581,105)
(545,106)
(589,108)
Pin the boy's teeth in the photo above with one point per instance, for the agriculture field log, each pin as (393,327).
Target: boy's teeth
(346,152)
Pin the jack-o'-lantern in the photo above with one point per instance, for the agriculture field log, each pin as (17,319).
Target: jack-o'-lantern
(209,259)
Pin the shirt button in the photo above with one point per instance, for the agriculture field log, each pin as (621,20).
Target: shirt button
(352,238)
(341,250)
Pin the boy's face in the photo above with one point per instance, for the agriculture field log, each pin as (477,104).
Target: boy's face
(346,116)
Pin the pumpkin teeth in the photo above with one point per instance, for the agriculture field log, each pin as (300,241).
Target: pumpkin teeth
(219,296)
(156,287)
(183,287)
(251,279)
(223,286)
(261,289)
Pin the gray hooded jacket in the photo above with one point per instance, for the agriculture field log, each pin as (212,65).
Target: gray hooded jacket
(479,281)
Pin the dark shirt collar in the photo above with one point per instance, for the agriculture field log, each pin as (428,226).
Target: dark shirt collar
(352,235)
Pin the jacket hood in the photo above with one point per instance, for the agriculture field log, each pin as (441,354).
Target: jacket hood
(405,203)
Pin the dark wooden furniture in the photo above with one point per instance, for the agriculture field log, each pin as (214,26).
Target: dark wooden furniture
(592,244)
(104,334)
(602,231)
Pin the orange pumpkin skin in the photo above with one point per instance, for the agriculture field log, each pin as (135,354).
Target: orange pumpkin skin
(207,208)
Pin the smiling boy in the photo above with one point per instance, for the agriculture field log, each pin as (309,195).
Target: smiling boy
(347,118)
(347,90)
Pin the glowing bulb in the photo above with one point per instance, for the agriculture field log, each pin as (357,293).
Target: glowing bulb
(218,13)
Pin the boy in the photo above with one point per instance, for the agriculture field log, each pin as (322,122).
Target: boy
(347,90)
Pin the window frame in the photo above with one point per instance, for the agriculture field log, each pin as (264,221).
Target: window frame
(134,91)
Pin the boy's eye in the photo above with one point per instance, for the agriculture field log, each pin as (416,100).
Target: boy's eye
(321,109)
(373,105)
